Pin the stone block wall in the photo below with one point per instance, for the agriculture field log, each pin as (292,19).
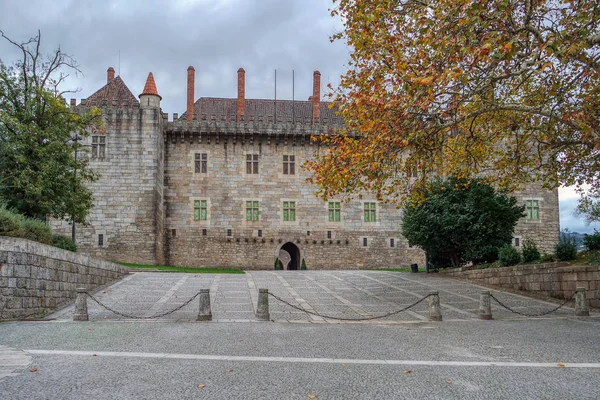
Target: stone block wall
(555,279)
(128,196)
(226,186)
(36,278)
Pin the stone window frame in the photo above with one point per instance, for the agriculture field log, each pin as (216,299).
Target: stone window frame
(200,222)
(365,239)
(192,160)
(296,220)
(328,209)
(254,208)
(97,239)
(517,242)
(252,162)
(374,210)
(539,201)
(288,164)
(201,163)
(98,147)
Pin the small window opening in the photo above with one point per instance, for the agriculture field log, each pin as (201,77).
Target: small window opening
(260,233)
(101,240)
(365,242)
(203,232)
(392,242)
(328,234)
(307,233)
(229,232)
(173,232)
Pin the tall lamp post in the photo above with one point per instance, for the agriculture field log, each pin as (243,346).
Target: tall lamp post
(76,138)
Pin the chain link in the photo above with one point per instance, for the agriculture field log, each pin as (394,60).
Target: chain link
(348,319)
(138,317)
(533,315)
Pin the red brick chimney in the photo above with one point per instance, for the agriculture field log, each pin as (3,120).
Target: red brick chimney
(190,93)
(316,97)
(241,100)
(110,74)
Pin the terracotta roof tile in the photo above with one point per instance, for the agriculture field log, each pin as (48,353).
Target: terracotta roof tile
(262,110)
(150,87)
(114,90)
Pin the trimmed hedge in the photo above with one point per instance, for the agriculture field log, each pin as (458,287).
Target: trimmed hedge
(16,225)
(508,256)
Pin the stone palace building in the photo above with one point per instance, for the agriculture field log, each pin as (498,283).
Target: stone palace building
(222,186)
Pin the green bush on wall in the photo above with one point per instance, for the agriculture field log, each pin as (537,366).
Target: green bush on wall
(10,224)
(530,251)
(508,256)
(565,249)
(277,264)
(63,242)
(592,242)
(303,266)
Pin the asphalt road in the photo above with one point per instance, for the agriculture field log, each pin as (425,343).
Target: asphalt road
(556,358)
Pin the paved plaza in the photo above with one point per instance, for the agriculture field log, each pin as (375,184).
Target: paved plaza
(348,295)
(301,356)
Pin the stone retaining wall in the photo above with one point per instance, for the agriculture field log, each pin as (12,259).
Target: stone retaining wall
(36,278)
(555,279)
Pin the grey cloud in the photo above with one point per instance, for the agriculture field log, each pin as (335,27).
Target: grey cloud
(166,37)
(575,223)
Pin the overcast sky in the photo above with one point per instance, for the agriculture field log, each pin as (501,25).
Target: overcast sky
(215,36)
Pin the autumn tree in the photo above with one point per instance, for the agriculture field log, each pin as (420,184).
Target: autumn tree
(461,220)
(507,89)
(37,158)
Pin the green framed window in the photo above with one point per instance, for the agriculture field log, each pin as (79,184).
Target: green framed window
(289,210)
(200,210)
(335,211)
(252,211)
(533,209)
(370,212)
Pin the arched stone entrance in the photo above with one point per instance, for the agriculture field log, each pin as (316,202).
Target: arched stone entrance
(294,253)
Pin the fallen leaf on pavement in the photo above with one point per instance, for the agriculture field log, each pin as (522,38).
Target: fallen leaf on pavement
(228,370)
(201,386)
(560,364)
(407,371)
(459,338)
(94,355)
(448,381)
(33,369)
(312,396)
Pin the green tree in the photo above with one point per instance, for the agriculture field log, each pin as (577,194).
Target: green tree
(461,220)
(589,206)
(37,158)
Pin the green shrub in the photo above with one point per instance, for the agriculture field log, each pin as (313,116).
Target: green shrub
(63,242)
(548,257)
(303,266)
(10,223)
(37,230)
(565,249)
(592,242)
(277,264)
(508,256)
(594,257)
(530,251)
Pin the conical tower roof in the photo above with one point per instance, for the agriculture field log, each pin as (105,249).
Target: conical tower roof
(150,87)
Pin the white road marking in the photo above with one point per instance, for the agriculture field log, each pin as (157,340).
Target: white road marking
(207,357)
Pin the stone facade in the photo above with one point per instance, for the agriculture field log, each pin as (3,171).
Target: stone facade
(555,279)
(176,192)
(36,278)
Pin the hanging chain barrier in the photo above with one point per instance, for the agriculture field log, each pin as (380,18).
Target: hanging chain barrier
(350,319)
(533,315)
(137,316)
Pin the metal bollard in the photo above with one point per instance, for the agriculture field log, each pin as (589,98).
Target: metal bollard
(262,308)
(581,305)
(435,311)
(81,310)
(485,305)
(204,313)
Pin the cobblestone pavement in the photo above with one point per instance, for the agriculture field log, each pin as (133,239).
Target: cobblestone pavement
(340,294)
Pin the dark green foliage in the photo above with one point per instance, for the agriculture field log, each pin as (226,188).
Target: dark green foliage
(548,258)
(64,242)
(530,251)
(592,242)
(10,223)
(508,256)
(37,157)
(303,266)
(565,249)
(461,220)
(34,229)
(277,264)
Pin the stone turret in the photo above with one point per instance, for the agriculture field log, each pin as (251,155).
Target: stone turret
(149,98)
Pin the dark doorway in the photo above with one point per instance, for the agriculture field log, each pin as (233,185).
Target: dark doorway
(294,253)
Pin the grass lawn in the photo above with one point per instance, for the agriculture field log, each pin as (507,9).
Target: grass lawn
(184,269)
(406,269)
